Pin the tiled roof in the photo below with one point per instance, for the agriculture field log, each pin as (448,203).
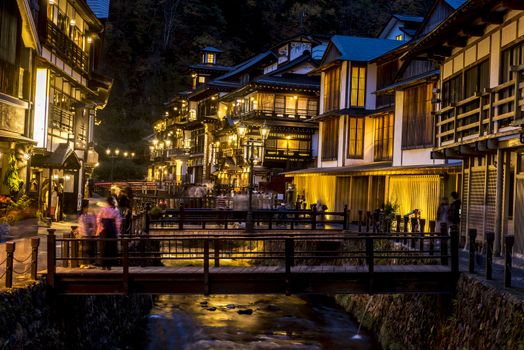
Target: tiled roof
(295,80)
(455,3)
(246,64)
(353,48)
(212,49)
(207,66)
(100,8)
(406,18)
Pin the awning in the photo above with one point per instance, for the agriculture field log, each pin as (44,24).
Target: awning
(377,168)
(408,81)
(63,157)
(14,137)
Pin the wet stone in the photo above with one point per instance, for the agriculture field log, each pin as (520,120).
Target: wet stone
(231,306)
(212,308)
(245,312)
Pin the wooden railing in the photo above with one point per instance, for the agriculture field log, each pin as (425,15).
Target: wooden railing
(482,115)
(66,48)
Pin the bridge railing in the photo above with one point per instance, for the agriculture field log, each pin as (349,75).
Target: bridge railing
(264,219)
(283,250)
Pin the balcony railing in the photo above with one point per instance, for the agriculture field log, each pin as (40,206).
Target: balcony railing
(483,115)
(8,78)
(66,48)
(299,114)
(61,119)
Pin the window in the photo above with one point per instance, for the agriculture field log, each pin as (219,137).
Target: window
(267,102)
(8,37)
(358,85)
(399,37)
(417,123)
(291,105)
(280,102)
(513,56)
(384,137)
(476,79)
(332,89)
(330,139)
(452,91)
(355,138)
(210,57)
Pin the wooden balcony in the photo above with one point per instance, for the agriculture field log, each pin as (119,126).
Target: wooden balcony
(299,114)
(485,115)
(64,47)
(8,78)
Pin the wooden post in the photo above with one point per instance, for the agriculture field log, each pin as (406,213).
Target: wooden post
(368,219)
(370,260)
(413,224)
(472,235)
(406,220)
(345,225)
(314,218)
(181,217)
(490,239)
(125,265)
(422,225)
(74,248)
(51,257)
(10,251)
(289,256)
(360,221)
(398,219)
(216,246)
(66,252)
(509,240)
(443,243)
(35,242)
(206,267)
(432,230)
(454,247)
(147,219)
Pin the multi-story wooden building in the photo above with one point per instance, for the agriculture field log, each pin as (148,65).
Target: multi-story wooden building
(19,46)
(68,91)
(480,54)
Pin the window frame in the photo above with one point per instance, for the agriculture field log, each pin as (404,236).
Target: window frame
(384,126)
(360,91)
(330,131)
(332,80)
(355,145)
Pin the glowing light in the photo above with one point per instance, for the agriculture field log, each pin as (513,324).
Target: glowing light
(73,22)
(41,108)
(89,40)
(108,151)
(117,151)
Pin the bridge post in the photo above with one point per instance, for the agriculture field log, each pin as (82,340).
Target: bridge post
(509,240)
(406,220)
(432,225)
(368,219)
(51,257)
(289,261)
(472,234)
(125,265)
(490,239)
(413,224)
(370,259)
(206,267)
(35,242)
(74,247)
(345,225)
(181,217)
(443,243)
(360,221)
(422,227)
(147,219)
(66,252)
(216,250)
(10,251)
(454,246)
(314,218)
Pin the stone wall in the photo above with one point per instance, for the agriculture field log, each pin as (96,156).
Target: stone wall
(30,318)
(480,316)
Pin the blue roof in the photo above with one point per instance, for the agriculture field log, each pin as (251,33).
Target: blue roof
(99,7)
(455,3)
(245,65)
(211,49)
(353,48)
(406,18)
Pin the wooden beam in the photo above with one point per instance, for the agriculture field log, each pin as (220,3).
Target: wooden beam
(453,154)
(437,155)
(458,41)
(493,17)
(513,4)
(474,30)
(468,150)
(441,51)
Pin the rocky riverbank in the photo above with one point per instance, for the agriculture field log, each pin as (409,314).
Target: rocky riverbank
(31,318)
(479,316)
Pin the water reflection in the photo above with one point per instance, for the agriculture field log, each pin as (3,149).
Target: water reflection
(276,322)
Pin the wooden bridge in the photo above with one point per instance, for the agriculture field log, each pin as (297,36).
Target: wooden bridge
(300,262)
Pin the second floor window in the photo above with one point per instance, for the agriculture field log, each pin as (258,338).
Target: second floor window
(451,91)
(476,79)
(417,122)
(355,138)
(383,144)
(358,85)
(332,89)
(513,56)
(330,139)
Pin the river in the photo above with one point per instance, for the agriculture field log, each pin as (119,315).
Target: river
(192,322)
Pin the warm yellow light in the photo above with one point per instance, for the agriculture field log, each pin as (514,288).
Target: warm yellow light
(125,154)
(295,97)
(89,40)
(55,177)
(51,2)
(117,151)
(73,22)
(97,164)
(108,151)
(155,141)
(41,110)
(288,137)
(132,154)
(68,177)
(242,129)
(213,98)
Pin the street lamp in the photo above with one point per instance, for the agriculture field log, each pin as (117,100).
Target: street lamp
(112,154)
(250,147)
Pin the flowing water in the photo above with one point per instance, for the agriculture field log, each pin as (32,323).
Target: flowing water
(195,322)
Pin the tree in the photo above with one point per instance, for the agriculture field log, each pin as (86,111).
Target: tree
(11,178)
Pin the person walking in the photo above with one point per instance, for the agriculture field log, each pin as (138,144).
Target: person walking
(108,223)
(86,232)
(454,209)
(442,212)
(124,208)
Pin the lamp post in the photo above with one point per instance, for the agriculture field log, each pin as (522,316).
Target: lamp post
(250,148)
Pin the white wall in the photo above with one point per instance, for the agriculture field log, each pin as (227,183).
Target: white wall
(371,86)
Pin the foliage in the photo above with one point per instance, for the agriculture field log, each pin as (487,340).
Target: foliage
(155,212)
(22,203)
(11,178)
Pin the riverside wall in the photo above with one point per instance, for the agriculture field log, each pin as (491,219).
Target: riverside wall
(479,316)
(32,318)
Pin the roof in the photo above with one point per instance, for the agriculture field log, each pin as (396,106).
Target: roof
(208,66)
(12,136)
(408,81)
(62,158)
(294,80)
(303,58)
(455,3)
(353,48)
(377,168)
(354,112)
(100,8)
(246,64)
(211,49)
(407,18)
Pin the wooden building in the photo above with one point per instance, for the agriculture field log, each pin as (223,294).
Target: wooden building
(480,54)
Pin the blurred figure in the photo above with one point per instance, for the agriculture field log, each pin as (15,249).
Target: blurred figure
(454,209)
(442,212)
(87,231)
(124,208)
(108,222)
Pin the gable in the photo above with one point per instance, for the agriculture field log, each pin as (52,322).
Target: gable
(331,54)
(438,13)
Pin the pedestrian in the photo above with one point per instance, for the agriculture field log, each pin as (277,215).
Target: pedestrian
(454,209)
(442,212)
(108,223)
(86,232)
(221,201)
(124,208)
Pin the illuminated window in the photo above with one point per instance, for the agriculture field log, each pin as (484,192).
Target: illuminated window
(210,58)
(358,85)
(355,138)
(332,89)
(399,37)
(21,82)
(384,137)
(201,80)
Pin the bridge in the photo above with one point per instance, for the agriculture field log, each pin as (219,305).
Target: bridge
(166,260)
